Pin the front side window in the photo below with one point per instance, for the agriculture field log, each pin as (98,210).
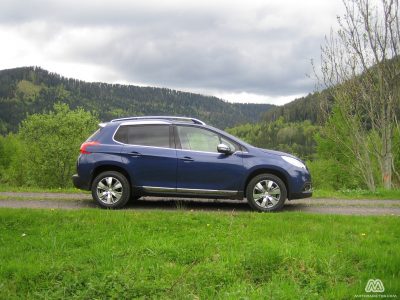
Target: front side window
(197,139)
(144,135)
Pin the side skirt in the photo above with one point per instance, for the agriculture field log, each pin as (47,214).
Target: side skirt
(196,193)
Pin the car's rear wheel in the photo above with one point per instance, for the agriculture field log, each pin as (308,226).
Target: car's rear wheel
(266,192)
(111,189)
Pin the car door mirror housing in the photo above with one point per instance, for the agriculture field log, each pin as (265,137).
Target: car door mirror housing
(222,148)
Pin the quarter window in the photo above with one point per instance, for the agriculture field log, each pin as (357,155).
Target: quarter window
(148,135)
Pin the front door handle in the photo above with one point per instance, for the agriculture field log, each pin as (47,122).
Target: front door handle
(135,154)
(187,158)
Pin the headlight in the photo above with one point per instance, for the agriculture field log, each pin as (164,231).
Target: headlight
(294,162)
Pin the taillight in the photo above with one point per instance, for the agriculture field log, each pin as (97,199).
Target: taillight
(87,144)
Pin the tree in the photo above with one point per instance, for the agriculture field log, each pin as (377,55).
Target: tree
(361,65)
(296,138)
(50,145)
(350,165)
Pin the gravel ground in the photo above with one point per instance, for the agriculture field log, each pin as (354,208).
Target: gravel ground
(312,205)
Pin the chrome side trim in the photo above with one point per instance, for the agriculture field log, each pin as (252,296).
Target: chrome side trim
(157,189)
(218,153)
(177,149)
(116,130)
(206,192)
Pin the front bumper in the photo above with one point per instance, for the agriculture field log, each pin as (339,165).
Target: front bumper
(306,192)
(79,183)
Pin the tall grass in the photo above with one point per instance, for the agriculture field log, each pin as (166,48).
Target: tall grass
(358,194)
(92,254)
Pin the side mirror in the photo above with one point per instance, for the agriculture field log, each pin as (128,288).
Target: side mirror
(222,148)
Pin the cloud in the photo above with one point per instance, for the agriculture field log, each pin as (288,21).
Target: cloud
(227,48)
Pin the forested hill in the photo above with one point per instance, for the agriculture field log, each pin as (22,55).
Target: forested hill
(299,110)
(309,107)
(29,90)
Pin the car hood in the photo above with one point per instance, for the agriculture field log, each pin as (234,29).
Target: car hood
(279,153)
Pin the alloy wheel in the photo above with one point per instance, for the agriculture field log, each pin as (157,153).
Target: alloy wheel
(109,190)
(266,193)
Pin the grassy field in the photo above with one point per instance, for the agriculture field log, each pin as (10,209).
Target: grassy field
(30,189)
(358,194)
(98,254)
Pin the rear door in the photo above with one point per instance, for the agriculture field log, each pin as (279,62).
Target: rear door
(150,155)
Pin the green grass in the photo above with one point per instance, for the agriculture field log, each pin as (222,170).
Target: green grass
(358,194)
(93,254)
(30,189)
(38,198)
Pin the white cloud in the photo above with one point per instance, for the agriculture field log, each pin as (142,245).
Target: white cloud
(244,97)
(252,51)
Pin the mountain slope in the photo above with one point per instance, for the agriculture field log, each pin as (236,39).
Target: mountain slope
(309,107)
(30,90)
(301,109)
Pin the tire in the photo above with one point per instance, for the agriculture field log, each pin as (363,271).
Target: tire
(134,198)
(266,192)
(111,189)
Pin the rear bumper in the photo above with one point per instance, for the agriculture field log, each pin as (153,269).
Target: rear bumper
(79,183)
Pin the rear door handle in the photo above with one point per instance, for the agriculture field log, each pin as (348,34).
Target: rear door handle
(135,154)
(187,158)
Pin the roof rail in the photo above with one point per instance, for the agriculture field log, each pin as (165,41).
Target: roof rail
(193,120)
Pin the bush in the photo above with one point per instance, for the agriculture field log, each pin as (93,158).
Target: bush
(329,174)
(10,154)
(46,147)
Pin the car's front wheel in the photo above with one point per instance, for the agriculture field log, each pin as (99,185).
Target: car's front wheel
(266,192)
(111,189)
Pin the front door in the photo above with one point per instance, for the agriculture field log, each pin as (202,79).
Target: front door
(201,168)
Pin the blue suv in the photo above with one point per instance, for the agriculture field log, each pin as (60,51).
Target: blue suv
(183,157)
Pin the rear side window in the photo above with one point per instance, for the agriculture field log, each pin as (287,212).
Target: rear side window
(147,135)
(122,134)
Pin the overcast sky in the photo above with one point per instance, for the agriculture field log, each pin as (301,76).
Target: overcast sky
(242,51)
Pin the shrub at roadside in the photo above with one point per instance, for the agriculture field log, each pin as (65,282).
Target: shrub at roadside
(44,151)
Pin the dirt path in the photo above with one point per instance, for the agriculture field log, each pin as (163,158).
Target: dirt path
(323,206)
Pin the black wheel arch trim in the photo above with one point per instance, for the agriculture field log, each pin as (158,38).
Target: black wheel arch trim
(269,170)
(110,167)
